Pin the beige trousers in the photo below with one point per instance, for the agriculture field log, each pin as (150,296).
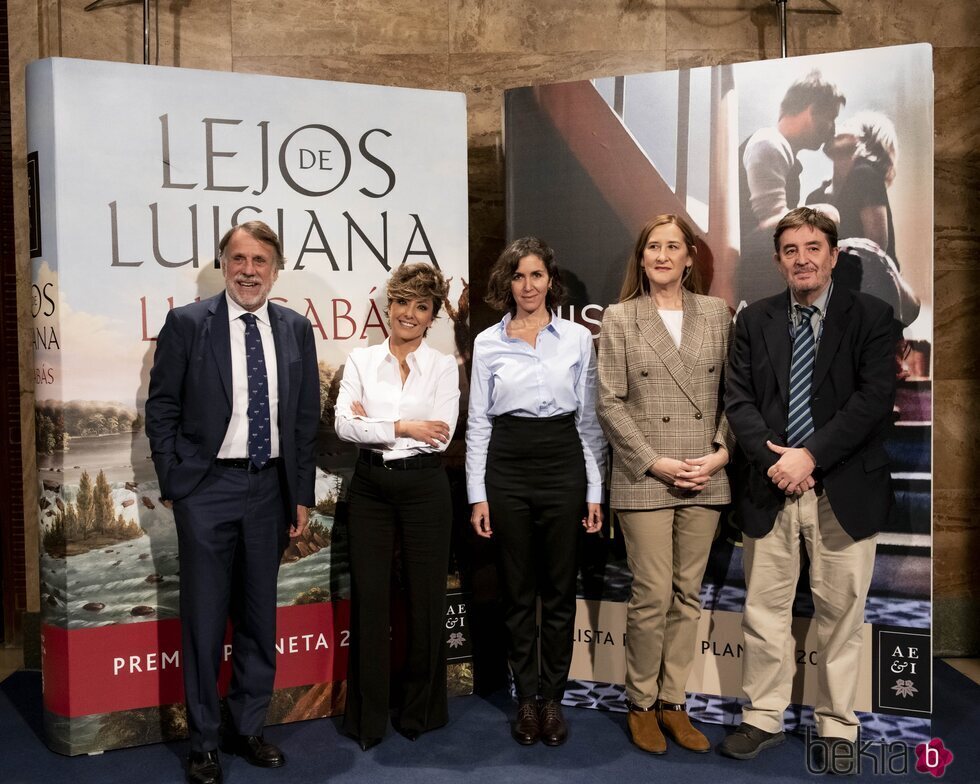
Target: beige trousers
(667,551)
(840,575)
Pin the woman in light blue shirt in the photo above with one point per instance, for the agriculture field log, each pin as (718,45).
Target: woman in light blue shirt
(534,464)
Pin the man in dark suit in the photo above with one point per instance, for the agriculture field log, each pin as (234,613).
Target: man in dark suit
(809,396)
(232,416)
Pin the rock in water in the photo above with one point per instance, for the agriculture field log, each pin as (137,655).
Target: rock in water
(142,609)
(94,606)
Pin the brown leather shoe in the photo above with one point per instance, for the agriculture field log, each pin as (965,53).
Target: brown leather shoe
(527,727)
(554,730)
(677,726)
(645,731)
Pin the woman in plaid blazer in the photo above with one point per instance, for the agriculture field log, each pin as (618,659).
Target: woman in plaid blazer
(662,357)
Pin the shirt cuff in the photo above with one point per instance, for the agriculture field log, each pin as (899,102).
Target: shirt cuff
(593,495)
(476,494)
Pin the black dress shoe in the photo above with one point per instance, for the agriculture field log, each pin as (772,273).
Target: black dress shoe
(204,767)
(554,730)
(256,751)
(368,743)
(409,733)
(527,726)
(748,741)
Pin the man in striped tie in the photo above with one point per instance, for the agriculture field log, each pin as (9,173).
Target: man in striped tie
(809,396)
(232,414)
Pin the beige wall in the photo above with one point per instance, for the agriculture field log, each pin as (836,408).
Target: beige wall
(485,46)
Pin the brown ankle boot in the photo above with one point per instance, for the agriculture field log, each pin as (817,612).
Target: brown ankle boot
(645,731)
(677,726)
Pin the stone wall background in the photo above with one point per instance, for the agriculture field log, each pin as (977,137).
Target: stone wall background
(482,47)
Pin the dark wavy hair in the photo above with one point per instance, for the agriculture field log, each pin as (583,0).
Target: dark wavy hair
(811,90)
(805,216)
(499,295)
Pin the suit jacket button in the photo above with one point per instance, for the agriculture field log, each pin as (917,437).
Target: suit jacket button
(697,415)
(711,369)
(666,419)
(644,373)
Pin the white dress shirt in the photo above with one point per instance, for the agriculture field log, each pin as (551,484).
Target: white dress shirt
(372,377)
(236,436)
(674,322)
(557,376)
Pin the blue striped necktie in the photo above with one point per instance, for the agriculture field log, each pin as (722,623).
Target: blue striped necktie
(259,426)
(800,421)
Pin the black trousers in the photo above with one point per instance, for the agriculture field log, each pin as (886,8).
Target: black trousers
(231,534)
(536,485)
(414,507)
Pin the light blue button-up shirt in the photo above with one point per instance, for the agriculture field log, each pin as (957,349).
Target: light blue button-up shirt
(557,376)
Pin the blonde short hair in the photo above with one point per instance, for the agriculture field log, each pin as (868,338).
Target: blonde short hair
(418,281)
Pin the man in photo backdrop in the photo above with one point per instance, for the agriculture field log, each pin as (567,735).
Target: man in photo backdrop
(769,176)
(809,396)
(232,416)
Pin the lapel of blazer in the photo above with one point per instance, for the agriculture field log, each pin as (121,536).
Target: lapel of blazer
(692,334)
(778,344)
(283,341)
(833,330)
(219,336)
(652,328)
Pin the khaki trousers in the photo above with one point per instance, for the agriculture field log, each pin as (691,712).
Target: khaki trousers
(667,551)
(840,575)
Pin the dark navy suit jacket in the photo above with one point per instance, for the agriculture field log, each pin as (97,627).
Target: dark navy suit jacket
(190,398)
(852,396)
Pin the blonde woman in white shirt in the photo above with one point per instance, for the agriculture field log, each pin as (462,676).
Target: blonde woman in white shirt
(399,402)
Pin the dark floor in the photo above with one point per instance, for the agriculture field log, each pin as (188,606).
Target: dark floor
(475,745)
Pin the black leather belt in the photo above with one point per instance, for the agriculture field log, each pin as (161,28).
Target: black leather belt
(244,464)
(430,460)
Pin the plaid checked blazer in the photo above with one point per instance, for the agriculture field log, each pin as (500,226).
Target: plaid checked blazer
(657,401)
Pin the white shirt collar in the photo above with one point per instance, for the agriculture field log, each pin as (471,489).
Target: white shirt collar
(236,311)
(420,359)
(553,325)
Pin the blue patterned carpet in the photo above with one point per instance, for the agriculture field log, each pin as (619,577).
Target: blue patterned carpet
(475,747)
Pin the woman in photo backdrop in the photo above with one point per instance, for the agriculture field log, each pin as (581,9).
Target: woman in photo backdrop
(662,355)
(865,155)
(399,402)
(534,463)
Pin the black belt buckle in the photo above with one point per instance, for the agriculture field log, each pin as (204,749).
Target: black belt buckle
(430,460)
(244,464)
